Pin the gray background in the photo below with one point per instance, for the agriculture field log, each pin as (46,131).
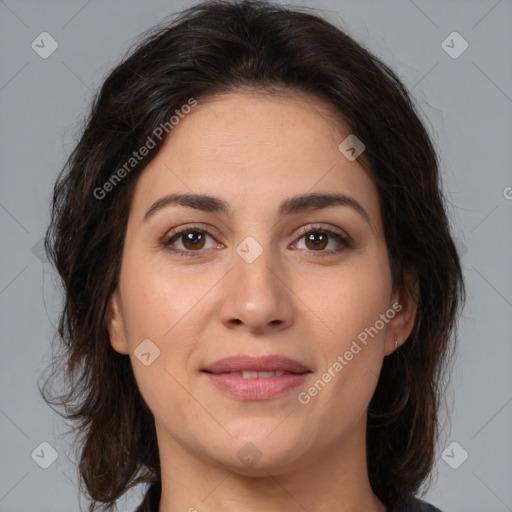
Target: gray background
(467,103)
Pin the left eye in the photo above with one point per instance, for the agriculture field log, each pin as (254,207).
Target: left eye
(316,240)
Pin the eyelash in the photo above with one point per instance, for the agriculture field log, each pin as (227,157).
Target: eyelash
(174,235)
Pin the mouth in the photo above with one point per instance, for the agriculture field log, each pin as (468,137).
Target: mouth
(256,378)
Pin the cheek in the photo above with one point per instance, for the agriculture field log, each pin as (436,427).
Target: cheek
(351,353)
(155,306)
(157,299)
(352,298)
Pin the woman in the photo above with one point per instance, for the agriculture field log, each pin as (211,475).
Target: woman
(261,288)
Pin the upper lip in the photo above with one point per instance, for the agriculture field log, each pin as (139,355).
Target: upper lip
(242,363)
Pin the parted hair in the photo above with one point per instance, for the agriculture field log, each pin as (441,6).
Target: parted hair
(219,47)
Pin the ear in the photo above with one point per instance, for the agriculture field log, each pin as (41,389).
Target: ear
(115,326)
(405,305)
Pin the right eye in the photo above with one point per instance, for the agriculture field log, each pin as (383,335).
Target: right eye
(191,239)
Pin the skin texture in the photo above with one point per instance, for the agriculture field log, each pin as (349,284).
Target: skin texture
(254,151)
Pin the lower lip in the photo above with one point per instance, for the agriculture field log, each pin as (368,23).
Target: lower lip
(256,389)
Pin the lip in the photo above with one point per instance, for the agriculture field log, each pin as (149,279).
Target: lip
(256,364)
(224,374)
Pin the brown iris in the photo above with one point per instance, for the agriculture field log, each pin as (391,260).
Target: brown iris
(318,239)
(193,240)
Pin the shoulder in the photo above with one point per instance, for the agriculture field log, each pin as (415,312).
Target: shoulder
(412,504)
(151,501)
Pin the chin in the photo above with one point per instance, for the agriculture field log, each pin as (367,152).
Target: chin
(254,454)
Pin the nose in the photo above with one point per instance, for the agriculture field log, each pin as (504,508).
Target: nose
(256,297)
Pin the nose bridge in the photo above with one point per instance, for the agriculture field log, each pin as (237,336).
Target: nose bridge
(255,267)
(255,294)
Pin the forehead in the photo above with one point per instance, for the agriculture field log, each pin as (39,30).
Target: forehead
(249,147)
(249,127)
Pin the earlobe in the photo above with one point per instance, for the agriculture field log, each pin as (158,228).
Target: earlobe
(114,325)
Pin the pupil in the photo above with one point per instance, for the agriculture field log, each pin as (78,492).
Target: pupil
(193,237)
(312,237)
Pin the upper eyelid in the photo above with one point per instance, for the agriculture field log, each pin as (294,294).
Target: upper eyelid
(317,227)
(208,229)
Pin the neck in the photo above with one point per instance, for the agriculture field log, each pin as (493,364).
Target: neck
(334,480)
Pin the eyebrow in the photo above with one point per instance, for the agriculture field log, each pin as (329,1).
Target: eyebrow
(290,206)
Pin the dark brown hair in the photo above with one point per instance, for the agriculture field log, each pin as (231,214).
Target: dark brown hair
(217,47)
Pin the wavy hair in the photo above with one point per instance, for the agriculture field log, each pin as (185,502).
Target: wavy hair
(218,47)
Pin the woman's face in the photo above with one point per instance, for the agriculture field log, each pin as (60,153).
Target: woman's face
(261,270)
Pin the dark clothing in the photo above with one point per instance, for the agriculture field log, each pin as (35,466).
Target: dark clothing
(413,504)
(151,502)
